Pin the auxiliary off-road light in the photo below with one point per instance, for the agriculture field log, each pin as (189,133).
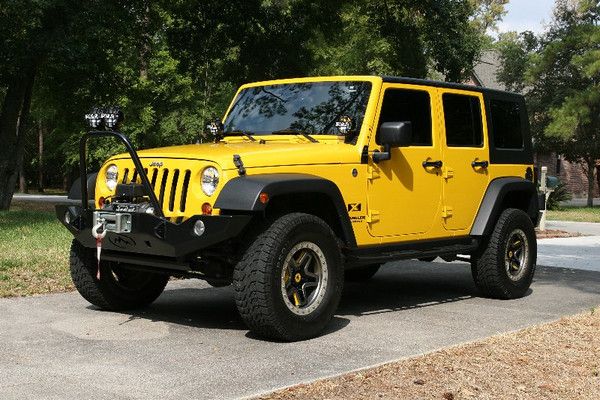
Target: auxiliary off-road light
(199,228)
(108,117)
(94,118)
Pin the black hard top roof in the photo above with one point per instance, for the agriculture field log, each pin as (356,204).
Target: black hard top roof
(447,85)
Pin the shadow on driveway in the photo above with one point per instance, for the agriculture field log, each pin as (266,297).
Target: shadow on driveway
(397,287)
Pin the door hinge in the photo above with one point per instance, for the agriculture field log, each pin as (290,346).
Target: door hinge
(446,212)
(372,216)
(372,172)
(448,173)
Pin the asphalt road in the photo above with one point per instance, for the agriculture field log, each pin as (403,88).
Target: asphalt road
(192,344)
(578,252)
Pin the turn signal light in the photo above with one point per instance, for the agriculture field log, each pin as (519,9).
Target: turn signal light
(206,209)
(263,197)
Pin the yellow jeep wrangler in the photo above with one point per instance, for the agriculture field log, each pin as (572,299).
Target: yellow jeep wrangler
(308,183)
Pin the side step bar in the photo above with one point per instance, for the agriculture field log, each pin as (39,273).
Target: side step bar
(405,251)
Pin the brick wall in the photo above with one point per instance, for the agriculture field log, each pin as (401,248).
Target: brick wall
(571,174)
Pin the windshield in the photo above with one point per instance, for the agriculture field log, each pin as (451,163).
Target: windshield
(331,108)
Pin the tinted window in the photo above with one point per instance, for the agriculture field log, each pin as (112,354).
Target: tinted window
(506,123)
(401,105)
(463,120)
(311,107)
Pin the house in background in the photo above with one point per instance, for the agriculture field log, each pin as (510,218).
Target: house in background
(571,174)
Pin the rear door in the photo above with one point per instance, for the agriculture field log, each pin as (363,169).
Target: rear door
(465,155)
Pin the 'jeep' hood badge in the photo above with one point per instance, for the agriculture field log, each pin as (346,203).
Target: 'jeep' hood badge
(156,164)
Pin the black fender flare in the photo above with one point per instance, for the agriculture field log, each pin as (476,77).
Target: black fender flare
(75,191)
(494,199)
(242,194)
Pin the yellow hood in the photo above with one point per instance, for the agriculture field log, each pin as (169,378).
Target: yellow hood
(256,154)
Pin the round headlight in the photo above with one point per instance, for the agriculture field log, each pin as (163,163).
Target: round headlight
(112,176)
(210,180)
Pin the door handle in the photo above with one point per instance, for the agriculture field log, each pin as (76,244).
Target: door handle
(432,164)
(480,164)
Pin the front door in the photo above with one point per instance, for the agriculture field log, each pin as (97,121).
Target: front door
(403,195)
(465,156)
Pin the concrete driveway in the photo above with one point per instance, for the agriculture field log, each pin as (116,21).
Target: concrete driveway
(192,344)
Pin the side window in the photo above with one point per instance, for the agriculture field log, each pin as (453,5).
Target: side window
(463,120)
(506,124)
(408,105)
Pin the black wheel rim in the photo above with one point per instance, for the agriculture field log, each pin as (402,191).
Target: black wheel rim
(516,254)
(304,278)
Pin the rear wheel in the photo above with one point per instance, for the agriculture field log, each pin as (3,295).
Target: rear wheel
(119,288)
(289,281)
(361,274)
(505,265)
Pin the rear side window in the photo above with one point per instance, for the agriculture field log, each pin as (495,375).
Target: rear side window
(401,105)
(506,124)
(463,120)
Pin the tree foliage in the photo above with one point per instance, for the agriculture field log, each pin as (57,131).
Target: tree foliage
(560,73)
(173,65)
(568,72)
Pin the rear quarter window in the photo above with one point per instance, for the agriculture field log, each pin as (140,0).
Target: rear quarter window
(506,124)
(462,118)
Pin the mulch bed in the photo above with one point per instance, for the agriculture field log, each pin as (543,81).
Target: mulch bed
(559,360)
(552,233)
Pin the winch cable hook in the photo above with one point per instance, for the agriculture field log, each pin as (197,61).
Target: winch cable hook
(98,236)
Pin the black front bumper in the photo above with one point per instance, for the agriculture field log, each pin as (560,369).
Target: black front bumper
(152,235)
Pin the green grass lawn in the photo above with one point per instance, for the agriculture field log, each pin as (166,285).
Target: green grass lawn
(580,214)
(34,251)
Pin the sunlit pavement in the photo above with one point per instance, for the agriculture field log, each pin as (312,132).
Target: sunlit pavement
(577,252)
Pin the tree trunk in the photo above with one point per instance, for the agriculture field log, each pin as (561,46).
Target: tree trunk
(22,180)
(144,49)
(591,167)
(13,117)
(41,130)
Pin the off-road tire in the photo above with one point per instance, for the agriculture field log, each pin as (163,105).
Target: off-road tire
(361,274)
(488,264)
(257,279)
(107,293)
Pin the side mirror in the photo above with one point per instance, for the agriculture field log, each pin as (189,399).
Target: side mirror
(393,134)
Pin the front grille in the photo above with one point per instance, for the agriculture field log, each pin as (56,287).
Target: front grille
(170,186)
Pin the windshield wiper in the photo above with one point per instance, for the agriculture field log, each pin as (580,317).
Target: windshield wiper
(294,132)
(241,133)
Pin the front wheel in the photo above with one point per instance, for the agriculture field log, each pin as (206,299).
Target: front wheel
(505,265)
(119,288)
(289,281)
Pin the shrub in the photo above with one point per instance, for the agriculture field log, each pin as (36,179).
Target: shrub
(560,194)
